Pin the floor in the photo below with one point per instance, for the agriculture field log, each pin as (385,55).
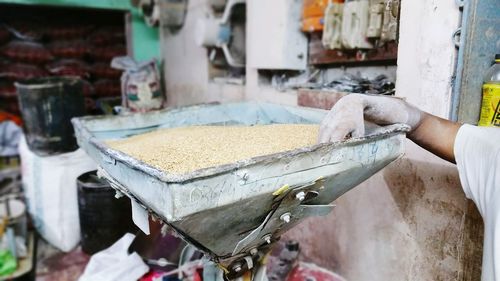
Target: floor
(54,265)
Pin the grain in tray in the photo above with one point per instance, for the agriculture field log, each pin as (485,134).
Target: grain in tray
(186,149)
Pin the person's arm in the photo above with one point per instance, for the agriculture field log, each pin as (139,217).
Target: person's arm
(346,119)
(436,135)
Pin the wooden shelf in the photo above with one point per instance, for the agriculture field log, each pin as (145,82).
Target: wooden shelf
(324,99)
(318,55)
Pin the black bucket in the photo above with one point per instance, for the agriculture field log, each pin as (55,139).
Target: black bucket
(103,218)
(47,106)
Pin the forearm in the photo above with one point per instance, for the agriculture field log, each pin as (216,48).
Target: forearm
(436,135)
(432,133)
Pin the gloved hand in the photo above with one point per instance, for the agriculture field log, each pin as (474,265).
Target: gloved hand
(346,118)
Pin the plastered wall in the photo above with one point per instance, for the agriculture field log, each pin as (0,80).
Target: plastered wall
(186,65)
(410,221)
(187,69)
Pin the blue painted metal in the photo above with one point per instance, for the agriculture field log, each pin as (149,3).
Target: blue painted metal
(479,43)
(457,75)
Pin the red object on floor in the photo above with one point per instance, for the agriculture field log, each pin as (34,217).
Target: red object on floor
(62,266)
(306,272)
(152,275)
(198,275)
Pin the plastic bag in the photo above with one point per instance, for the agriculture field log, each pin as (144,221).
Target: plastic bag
(30,52)
(69,67)
(140,82)
(8,263)
(49,184)
(76,49)
(26,30)
(115,263)
(20,71)
(10,134)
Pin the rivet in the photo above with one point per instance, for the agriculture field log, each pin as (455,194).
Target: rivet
(118,195)
(267,238)
(285,217)
(237,268)
(300,196)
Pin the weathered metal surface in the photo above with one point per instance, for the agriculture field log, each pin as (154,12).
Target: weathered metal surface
(479,42)
(229,210)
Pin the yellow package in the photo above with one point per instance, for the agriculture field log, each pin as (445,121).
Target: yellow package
(490,108)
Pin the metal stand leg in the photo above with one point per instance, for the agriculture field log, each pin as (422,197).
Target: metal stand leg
(261,274)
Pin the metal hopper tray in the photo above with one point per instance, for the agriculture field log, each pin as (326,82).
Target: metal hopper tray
(232,212)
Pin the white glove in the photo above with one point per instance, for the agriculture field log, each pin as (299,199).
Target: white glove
(346,118)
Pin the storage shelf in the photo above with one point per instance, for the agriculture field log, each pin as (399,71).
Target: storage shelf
(318,55)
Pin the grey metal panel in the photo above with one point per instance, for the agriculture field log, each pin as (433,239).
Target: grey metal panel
(480,41)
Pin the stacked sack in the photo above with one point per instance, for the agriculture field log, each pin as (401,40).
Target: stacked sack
(30,50)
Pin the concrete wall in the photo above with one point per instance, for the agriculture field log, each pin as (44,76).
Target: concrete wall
(186,65)
(410,221)
(187,69)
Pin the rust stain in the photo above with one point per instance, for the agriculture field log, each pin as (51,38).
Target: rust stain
(425,199)
(406,187)
(428,197)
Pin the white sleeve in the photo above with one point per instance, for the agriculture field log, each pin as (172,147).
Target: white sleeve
(477,153)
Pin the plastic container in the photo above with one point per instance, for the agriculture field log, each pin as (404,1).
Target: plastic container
(490,107)
(103,218)
(47,106)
